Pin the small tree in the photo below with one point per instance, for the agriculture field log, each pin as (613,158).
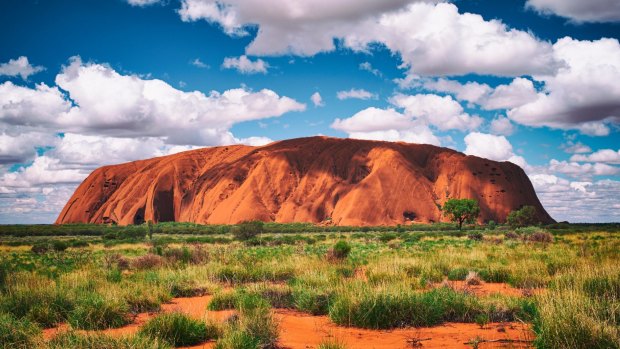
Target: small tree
(524,217)
(461,211)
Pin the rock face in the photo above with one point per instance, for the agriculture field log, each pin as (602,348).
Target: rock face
(316,179)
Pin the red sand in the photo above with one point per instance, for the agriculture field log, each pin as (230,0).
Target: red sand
(300,330)
(349,181)
(486,288)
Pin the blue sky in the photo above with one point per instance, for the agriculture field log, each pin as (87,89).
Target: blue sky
(89,83)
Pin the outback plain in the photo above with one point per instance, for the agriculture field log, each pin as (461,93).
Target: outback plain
(258,285)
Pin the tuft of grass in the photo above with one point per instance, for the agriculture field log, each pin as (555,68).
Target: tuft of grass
(18,333)
(178,329)
(96,312)
(223,300)
(36,298)
(254,327)
(472,278)
(458,274)
(391,308)
(76,340)
(581,310)
(311,299)
(331,344)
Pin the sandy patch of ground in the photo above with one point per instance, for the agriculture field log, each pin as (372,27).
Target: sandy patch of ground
(303,331)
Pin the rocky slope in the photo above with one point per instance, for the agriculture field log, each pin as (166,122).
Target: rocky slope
(316,179)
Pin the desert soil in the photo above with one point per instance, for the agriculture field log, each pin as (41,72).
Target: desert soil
(303,331)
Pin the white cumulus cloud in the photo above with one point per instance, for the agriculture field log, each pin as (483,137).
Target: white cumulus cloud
(245,65)
(19,67)
(355,93)
(583,95)
(579,10)
(603,155)
(317,100)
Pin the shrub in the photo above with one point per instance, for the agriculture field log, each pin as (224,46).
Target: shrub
(522,217)
(340,251)
(476,236)
(541,237)
(59,246)
(179,329)
(17,333)
(95,312)
(511,235)
(482,320)
(148,261)
(76,340)
(247,230)
(387,237)
(40,248)
(116,260)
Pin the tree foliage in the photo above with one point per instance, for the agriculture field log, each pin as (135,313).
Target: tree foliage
(461,211)
(524,217)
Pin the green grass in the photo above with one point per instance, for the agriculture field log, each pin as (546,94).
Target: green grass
(254,327)
(178,329)
(96,312)
(76,340)
(18,333)
(388,280)
(392,308)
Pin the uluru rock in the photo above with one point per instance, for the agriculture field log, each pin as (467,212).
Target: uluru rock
(315,179)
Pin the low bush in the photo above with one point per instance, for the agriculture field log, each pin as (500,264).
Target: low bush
(178,329)
(18,333)
(247,230)
(476,236)
(148,261)
(339,252)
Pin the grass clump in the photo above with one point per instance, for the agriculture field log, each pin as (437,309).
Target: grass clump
(178,329)
(36,298)
(458,274)
(253,327)
(331,344)
(223,300)
(18,333)
(76,340)
(391,308)
(581,310)
(95,312)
